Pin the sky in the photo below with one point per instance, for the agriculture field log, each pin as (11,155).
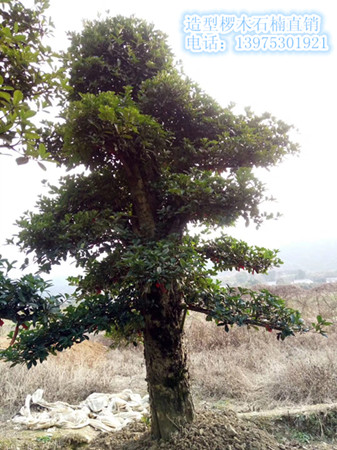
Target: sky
(296,87)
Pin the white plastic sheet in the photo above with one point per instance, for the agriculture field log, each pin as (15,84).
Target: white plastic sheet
(104,412)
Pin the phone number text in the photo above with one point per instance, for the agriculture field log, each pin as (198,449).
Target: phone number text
(297,43)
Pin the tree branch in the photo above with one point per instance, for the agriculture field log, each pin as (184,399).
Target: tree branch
(247,321)
(14,335)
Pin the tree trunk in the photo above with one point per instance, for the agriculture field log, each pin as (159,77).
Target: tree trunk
(167,375)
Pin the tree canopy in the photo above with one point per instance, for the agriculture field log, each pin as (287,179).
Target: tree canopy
(27,76)
(158,154)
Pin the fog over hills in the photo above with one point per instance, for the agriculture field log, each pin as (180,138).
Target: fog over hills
(317,256)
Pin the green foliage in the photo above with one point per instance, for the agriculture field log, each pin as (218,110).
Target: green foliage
(320,325)
(228,307)
(227,253)
(25,301)
(27,77)
(146,420)
(116,52)
(159,155)
(98,125)
(43,439)
(303,438)
(94,313)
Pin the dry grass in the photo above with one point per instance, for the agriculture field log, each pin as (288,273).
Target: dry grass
(72,376)
(252,370)
(246,369)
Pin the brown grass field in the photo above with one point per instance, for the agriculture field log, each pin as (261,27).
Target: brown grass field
(244,370)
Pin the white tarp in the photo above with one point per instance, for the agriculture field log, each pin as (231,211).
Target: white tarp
(105,412)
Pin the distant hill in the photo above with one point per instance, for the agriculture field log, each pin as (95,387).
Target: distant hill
(318,256)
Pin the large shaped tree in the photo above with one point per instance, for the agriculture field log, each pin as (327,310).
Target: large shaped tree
(157,155)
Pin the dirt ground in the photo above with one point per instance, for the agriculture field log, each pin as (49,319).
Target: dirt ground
(212,429)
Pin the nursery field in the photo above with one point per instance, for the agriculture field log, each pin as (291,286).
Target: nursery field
(250,390)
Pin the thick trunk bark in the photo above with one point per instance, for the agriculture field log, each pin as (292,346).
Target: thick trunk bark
(167,374)
(143,202)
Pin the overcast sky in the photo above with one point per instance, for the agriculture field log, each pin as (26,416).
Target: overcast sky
(299,88)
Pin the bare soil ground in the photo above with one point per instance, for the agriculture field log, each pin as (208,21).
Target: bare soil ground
(212,429)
